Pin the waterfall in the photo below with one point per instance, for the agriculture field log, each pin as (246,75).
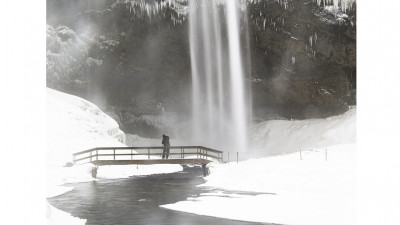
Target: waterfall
(220,98)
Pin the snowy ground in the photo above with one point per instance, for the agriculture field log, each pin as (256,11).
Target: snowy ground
(291,191)
(317,187)
(283,136)
(314,187)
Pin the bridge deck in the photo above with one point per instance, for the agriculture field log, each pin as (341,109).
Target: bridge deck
(150,162)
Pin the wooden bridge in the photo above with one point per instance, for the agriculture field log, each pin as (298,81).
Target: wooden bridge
(147,155)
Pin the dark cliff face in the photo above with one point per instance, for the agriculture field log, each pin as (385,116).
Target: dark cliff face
(303,58)
(143,59)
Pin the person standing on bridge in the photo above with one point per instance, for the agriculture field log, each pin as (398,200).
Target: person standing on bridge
(165,142)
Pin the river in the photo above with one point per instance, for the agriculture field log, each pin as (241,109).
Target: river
(136,200)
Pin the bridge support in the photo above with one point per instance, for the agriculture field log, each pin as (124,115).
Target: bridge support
(206,170)
(94,171)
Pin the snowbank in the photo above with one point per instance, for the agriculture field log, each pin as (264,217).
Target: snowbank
(116,172)
(283,136)
(316,187)
(73,125)
(288,190)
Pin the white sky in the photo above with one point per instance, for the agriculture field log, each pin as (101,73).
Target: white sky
(22,69)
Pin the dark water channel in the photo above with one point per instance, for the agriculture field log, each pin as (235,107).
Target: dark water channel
(136,200)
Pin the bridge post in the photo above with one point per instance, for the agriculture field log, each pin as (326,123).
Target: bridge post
(300,155)
(206,171)
(148,153)
(326,154)
(90,156)
(131,154)
(114,154)
(97,155)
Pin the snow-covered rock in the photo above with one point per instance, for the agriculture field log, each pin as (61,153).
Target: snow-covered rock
(74,124)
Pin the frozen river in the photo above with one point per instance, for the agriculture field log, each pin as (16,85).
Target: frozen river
(136,200)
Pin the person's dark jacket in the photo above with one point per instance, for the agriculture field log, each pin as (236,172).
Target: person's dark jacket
(165,140)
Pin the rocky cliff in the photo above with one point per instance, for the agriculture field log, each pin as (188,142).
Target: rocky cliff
(134,55)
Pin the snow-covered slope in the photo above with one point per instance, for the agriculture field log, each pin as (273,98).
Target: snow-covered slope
(283,136)
(316,187)
(74,124)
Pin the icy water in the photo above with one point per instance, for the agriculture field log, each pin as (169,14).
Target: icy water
(136,200)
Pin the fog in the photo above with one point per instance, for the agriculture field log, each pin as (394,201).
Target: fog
(124,56)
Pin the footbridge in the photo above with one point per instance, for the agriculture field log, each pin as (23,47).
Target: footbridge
(148,155)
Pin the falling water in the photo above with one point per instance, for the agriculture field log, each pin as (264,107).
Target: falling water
(220,96)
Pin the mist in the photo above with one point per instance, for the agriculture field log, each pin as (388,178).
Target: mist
(132,58)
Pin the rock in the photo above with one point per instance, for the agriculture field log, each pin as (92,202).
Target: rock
(298,50)
(69,164)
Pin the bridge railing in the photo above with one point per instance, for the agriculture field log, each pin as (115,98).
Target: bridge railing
(143,153)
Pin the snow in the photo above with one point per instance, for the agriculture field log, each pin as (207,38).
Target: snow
(73,125)
(316,187)
(65,50)
(117,172)
(286,136)
(55,216)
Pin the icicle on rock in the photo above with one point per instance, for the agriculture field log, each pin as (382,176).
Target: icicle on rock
(265,20)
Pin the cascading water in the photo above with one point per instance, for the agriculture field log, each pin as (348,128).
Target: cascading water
(220,95)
